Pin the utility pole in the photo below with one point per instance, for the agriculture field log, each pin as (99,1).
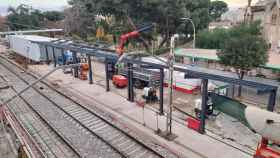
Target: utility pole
(169,134)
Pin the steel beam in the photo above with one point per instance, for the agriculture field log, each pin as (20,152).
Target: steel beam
(75,61)
(272,100)
(203,73)
(107,76)
(203,106)
(130,82)
(161,88)
(193,71)
(90,70)
(63,57)
(47,55)
(54,56)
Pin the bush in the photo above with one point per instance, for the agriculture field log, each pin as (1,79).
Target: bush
(214,39)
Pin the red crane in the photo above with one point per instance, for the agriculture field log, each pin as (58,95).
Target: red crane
(134,34)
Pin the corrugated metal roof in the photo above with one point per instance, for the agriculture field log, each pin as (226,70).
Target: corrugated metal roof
(35,38)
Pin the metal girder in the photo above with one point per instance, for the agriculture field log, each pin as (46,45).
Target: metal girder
(191,71)
(203,73)
(89,50)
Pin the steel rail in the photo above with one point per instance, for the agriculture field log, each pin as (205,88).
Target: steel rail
(67,142)
(88,110)
(56,105)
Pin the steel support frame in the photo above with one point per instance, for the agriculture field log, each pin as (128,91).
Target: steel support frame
(161,91)
(75,61)
(203,105)
(54,56)
(107,75)
(90,74)
(63,57)
(205,75)
(47,55)
(108,54)
(272,100)
(130,90)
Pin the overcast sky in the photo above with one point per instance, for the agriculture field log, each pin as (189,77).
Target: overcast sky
(35,3)
(59,4)
(238,3)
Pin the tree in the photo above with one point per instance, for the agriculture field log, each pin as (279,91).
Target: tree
(79,22)
(53,15)
(25,17)
(244,50)
(165,13)
(214,39)
(217,8)
(198,11)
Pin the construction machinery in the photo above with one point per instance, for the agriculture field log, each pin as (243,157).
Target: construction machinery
(66,59)
(119,80)
(134,34)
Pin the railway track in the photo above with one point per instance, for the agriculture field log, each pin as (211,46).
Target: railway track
(109,140)
(50,142)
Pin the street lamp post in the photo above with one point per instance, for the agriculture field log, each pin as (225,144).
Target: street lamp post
(194,32)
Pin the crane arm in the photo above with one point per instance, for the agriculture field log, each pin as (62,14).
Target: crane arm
(134,34)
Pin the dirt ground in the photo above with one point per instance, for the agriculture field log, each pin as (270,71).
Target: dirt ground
(224,126)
